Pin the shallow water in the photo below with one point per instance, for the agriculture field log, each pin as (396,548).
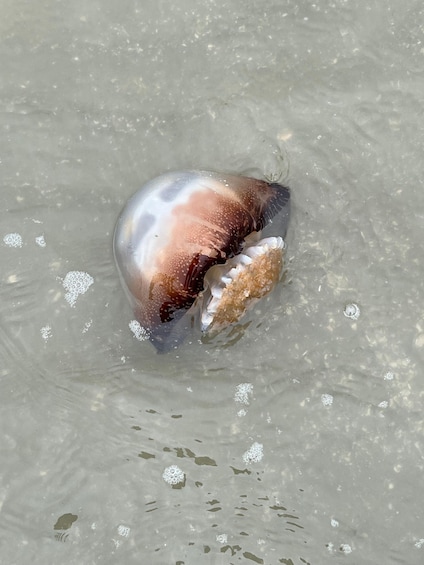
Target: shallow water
(301,441)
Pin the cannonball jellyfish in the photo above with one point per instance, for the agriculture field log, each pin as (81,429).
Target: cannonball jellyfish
(199,248)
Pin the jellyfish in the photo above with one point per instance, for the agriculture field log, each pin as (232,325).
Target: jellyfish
(199,248)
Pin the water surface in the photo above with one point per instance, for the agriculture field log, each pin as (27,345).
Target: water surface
(302,441)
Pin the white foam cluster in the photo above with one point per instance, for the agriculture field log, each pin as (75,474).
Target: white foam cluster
(76,283)
(334,523)
(352,311)
(327,399)
(139,332)
(231,270)
(39,240)
(46,332)
(13,240)
(124,531)
(419,544)
(87,326)
(173,475)
(243,393)
(254,454)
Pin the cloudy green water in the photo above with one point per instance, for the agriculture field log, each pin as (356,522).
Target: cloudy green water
(301,441)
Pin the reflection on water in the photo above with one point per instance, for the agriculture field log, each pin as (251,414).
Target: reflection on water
(298,441)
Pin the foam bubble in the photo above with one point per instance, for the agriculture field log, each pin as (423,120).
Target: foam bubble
(124,531)
(243,392)
(139,332)
(327,399)
(334,523)
(352,311)
(87,326)
(419,544)
(173,475)
(40,241)
(13,240)
(76,283)
(46,332)
(345,548)
(254,454)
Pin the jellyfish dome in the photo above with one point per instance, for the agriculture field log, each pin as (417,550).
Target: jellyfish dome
(199,248)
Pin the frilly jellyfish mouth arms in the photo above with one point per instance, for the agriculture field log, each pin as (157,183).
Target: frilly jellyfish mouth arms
(199,248)
(233,288)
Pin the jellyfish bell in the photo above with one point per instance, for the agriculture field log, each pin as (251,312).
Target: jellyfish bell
(199,248)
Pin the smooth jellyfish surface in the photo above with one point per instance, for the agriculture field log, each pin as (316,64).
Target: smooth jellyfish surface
(199,248)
